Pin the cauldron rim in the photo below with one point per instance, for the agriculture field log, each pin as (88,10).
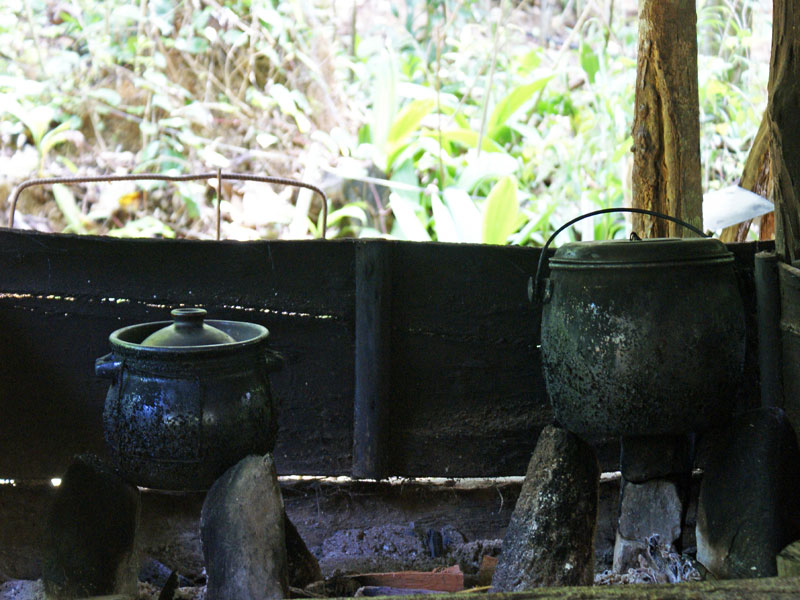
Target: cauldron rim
(661,252)
(246,335)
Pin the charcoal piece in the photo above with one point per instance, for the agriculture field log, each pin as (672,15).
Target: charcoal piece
(242,529)
(643,458)
(748,509)
(303,566)
(89,545)
(550,539)
(434,543)
(170,587)
(156,573)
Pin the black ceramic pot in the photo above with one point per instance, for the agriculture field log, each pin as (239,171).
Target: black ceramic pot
(642,337)
(187,400)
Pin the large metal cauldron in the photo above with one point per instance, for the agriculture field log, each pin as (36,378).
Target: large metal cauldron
(177,416)
(642,337)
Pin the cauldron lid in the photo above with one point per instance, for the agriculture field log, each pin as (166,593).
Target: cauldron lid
(656,250)
(188,329)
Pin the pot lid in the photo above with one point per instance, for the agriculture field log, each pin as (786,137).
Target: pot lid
(188,329)
(640,252)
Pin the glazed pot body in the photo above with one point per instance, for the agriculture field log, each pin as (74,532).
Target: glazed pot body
(651,345)
(177,418)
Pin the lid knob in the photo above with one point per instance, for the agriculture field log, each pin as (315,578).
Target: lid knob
(188,329)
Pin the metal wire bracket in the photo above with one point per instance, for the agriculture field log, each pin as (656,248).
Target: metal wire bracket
(219,176)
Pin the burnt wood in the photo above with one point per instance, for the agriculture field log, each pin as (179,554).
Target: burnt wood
(460,340)
(768,305)
(790,342)
(372,357)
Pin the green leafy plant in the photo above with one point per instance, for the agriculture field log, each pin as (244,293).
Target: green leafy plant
(482,129)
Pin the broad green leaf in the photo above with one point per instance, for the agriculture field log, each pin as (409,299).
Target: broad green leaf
(404,125)
(265,140)
(406,216)
(530,60)
(37,120)
(54,137)
(512,102)
(348,211)
(195,45)
(174,122)
(489,165)
(622,150)
(165,102)
(468,138)
(408,120)
(589,62)
(235,37)
(415,91)
(69,208)
(443,221)
(466,216)
(500,214)
(288,106)
(148,128)
(145,227)
(384,104)
(107,95)
(213,158)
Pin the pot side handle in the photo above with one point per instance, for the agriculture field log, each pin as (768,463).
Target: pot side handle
(107,367)
(273,360)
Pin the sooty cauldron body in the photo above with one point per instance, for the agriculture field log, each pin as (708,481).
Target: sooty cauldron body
(176,418)
(642,337)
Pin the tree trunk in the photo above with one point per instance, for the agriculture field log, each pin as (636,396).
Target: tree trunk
(756,178)
(666,125)
(783,114)
(773,165)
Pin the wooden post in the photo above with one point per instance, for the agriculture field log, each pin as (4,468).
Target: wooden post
(773,165)
(666,125)
(372,356)
(783,109)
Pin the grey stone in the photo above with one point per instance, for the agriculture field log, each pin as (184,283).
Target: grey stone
(89,543)
(653,507)
(748,509)
(550,539)
(22,589)
(643,458)
(242,529)
(627,552)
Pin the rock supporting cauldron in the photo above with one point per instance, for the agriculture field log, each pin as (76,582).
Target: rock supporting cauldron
(177,416)
(642,337)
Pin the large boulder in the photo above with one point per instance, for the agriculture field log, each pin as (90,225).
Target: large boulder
(550,539)
(242,528)
(89,543)
(749,505)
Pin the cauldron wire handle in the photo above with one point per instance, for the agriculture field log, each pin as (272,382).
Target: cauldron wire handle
(219,176)
(534,289)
